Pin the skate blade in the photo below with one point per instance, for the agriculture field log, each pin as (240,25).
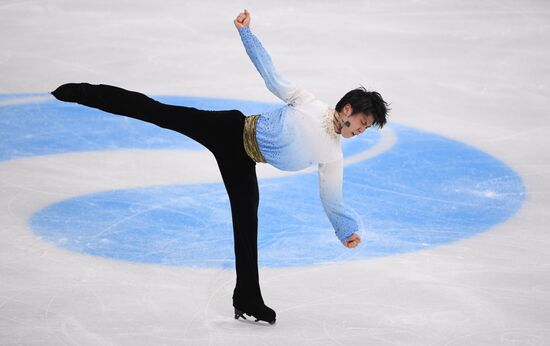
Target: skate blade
(240,314)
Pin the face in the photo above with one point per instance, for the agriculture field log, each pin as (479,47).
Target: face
(358,122)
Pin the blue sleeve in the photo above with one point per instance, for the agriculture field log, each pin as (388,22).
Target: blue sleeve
(344,220)
(262,61)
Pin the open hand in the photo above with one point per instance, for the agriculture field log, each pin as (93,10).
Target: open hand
(352,241)
(242,20)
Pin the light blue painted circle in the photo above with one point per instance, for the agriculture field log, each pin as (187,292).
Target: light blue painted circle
(426,191)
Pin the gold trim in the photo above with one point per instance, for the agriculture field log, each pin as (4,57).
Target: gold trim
(249,139)
(328,122)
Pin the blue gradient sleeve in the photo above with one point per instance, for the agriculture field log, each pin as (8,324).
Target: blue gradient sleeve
(262,61)
(342,218)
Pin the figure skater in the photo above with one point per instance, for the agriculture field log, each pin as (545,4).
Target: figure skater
(302,132)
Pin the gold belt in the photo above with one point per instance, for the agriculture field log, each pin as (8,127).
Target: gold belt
(249,139)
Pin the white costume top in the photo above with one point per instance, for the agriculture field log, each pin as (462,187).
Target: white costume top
(299,134)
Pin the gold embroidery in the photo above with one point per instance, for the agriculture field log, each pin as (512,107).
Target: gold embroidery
(249,139)
(328,122)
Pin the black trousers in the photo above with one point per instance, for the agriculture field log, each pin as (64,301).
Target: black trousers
(221,132)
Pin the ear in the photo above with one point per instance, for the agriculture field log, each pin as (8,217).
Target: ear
(348,109)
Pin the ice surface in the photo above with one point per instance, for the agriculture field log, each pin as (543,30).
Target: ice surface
(471,71)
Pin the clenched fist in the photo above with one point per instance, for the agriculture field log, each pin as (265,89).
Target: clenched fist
(352,241)
(242,20)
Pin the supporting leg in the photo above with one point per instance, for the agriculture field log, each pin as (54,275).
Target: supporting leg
(239,176)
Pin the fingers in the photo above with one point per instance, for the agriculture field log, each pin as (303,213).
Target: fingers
(352,244)
(242,20)
(352,241)
(243,15)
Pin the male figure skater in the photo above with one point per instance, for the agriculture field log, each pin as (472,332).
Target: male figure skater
(302,132)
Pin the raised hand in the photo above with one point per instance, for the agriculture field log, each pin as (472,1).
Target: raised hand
(242,20)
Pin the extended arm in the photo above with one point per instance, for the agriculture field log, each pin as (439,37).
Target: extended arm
(330,186)
(262,61)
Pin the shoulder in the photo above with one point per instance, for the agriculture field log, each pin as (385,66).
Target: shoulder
(301,96)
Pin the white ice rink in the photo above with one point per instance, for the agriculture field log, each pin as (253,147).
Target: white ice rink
(473,71)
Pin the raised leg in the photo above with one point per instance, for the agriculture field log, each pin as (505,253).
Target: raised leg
(210,128)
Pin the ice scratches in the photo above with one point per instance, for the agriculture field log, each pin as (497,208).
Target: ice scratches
(512,336)
(124,219)
(73,313)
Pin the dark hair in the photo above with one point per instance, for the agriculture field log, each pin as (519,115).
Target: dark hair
(366,102)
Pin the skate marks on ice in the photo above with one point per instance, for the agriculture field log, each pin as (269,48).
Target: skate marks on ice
(413,189)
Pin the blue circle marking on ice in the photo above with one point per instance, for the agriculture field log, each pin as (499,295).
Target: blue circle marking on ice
(426,190)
